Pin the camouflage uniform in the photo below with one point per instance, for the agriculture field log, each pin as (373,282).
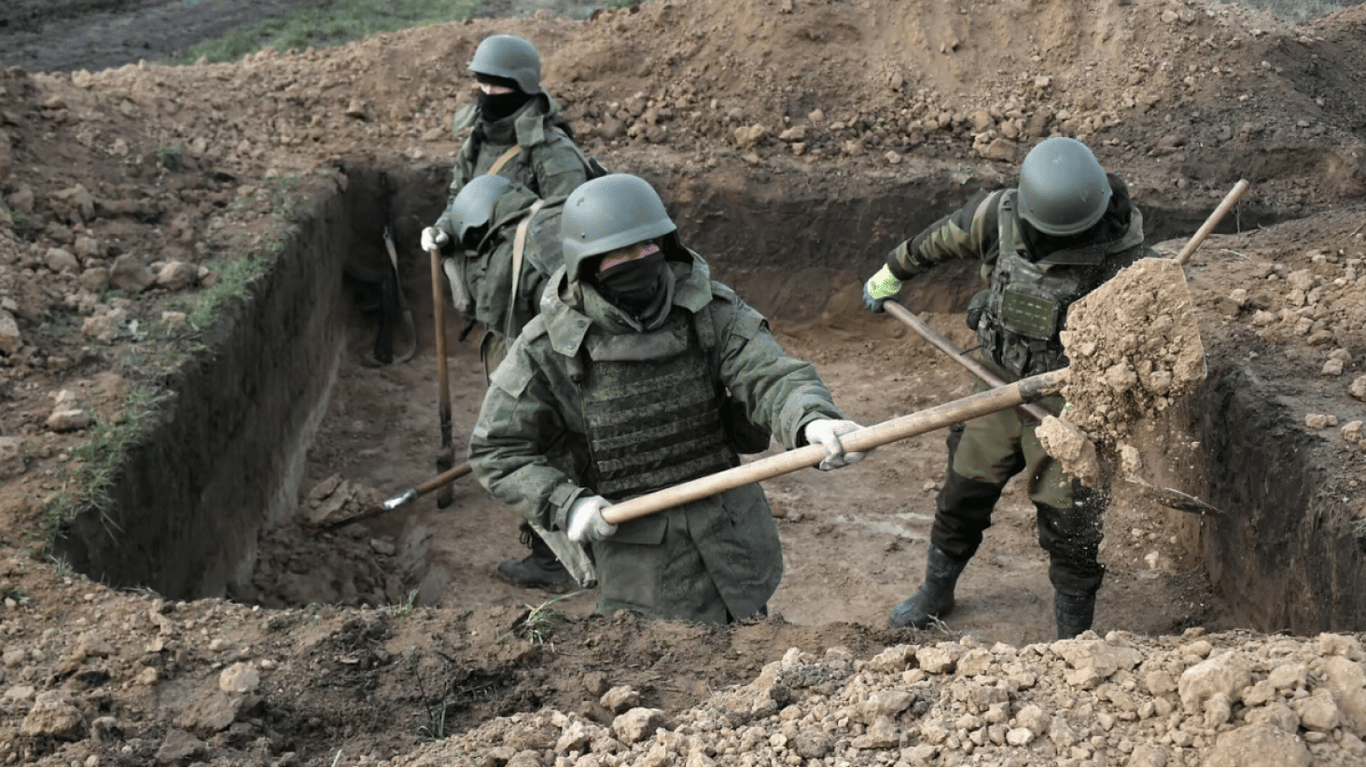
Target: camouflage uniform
(550,164)
(714,560)
(487,271)
(1031,279)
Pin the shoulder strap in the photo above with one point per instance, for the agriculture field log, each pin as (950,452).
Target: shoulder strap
(519,247)
(504,158)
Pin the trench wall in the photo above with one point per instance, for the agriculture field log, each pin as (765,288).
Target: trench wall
(1283,555)
(224,455)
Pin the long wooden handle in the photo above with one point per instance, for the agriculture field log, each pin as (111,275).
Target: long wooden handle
(866,439)
(1213,221)
(942,342)
(394,502)
(446,456)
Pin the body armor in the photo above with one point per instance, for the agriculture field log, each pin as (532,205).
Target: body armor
(651,410)
(1026,301)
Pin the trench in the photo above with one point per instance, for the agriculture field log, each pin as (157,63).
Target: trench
(221,464)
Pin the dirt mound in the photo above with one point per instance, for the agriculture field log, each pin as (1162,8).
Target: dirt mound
(133,196)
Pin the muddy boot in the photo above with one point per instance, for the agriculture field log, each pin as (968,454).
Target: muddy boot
(1073,613)
(935,598)
(541,569)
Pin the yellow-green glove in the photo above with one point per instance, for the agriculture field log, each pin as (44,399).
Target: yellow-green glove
(879,288)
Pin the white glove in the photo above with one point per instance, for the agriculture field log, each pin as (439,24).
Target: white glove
(434,239)
(826,432)
(585,520)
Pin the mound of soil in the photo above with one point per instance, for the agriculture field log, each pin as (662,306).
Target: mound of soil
(129,193)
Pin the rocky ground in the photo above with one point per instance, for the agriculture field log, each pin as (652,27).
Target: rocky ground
(130,192)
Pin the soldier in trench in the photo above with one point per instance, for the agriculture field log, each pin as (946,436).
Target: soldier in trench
(650,374)
(518,133)
(1064,230)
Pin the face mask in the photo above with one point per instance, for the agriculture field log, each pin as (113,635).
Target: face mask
(632,284)
(495,107)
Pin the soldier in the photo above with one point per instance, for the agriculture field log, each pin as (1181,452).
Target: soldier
(647,371)
(1068,227)
(519,134)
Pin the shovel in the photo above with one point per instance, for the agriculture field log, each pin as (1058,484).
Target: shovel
(394,502)
(1000,398)
(445,458)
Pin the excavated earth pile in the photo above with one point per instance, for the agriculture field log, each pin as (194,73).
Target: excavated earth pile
(186,372)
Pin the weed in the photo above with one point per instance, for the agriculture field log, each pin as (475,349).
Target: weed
(540,622)
(96,465)
(171,157)
(285,196)
(233,281)
(406,607)
(26,225)
(435,728)
(61,565)
(1359,530)
(623,3)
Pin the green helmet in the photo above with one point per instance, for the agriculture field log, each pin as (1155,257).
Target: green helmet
(607,213)
(1063,190)
(511,57)
(473,204)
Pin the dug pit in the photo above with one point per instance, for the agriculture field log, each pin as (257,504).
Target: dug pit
(284,406)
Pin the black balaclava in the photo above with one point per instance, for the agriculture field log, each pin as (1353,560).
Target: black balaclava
(495,107)
(633,285)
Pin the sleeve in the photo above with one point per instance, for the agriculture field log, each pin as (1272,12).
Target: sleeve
(777,390)
(516,439)
(967,233)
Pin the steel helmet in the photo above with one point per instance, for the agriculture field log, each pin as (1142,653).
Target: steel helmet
(607,213)
(473,204)
(1063,190)
(510,57)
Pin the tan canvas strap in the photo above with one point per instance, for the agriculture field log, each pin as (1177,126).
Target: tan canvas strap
(519,245)
(504,158)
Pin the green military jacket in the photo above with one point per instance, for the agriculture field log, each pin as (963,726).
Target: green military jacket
(550,164)
(666,564)
(976,231)
(488,271)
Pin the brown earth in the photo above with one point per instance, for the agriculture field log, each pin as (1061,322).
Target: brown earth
(796,141)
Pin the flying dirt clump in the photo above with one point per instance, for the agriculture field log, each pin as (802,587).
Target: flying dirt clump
(1134,348)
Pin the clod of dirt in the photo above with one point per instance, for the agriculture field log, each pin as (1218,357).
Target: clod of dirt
(1134,347)
(337,499)
(1072,448)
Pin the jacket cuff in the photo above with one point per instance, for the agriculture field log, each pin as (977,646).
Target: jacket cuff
(564,495)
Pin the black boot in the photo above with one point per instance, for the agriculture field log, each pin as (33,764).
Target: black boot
(541,569)
(1073,613)
(935,598)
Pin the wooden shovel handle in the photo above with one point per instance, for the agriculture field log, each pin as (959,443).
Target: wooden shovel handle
(942,342)
(1213,221)
(866,439)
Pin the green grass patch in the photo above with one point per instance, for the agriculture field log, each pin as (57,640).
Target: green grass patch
(234,277)
(1295,10)
(96,464)
(328,23)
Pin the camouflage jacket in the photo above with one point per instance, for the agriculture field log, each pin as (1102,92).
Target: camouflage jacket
(529,448)
(488,270)
(550,163)
(1054,271)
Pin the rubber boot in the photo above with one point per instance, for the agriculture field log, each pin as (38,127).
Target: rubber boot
(539,570)
(1073,613)
(935,598)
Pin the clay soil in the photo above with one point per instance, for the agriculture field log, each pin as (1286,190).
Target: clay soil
(391,641)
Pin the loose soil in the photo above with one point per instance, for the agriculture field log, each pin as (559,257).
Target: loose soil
(391,641)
